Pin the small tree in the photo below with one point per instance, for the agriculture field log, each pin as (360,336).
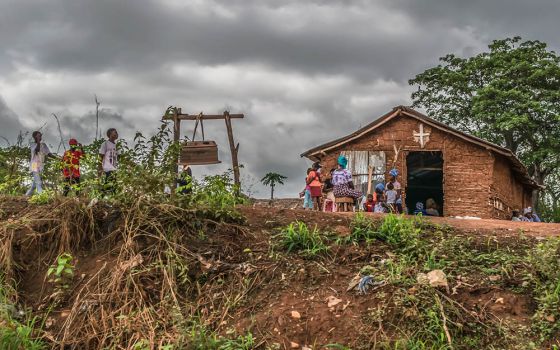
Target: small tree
(271,179)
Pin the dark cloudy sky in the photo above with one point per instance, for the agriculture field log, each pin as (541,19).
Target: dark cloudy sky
(302,72)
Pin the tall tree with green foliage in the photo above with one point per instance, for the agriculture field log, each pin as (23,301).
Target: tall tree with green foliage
(509,95)
(271,179)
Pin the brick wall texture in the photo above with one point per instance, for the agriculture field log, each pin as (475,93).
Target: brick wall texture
(475,180)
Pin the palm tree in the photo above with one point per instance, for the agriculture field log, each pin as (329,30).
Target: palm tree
(271,179)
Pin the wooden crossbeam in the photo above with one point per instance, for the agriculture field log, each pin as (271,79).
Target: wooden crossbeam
(177,116)
(203,117)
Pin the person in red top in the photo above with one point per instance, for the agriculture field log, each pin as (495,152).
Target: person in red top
(315,185)
(369,204)
(71,166)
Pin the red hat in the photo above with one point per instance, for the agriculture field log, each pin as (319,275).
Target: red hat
(73,142)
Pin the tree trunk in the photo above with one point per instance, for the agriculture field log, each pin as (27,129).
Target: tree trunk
(272,192)
(539,177)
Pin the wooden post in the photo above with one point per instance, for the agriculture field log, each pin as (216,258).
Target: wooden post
(370,174)
(234,149)
(176,138)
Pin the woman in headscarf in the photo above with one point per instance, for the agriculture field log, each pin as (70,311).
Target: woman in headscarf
(342,180)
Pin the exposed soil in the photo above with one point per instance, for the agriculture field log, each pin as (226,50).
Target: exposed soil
(288,299)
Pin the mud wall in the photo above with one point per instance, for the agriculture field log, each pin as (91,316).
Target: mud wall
(467,167)
(506,192)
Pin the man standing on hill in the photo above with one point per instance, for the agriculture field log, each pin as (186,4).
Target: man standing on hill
(108,164)
(71,166)
(39,151)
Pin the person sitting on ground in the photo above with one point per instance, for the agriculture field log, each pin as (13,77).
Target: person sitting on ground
(342,181)
(432,207)
(315,186)
(379,198)
(184,182)
(71,166)
(420,209)
(527,217)
(369,204)
(534,215)
(397,186)
(391,197)
(39,151)
(515,215)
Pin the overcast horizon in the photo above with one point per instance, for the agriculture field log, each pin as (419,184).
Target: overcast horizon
(302,72)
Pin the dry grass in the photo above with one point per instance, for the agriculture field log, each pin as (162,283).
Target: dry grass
(148,284)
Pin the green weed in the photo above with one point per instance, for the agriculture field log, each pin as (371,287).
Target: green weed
(362,229)
(44,197)
(61,273)
(544,280)
(200,338)
(298,237)
(15,334)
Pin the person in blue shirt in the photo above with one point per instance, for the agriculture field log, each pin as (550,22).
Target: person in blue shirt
(420,209)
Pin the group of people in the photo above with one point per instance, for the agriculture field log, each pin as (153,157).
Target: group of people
(40,152)
(528,215)
(321,190)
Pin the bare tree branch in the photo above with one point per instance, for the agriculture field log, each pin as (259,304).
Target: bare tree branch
(59,133)
(97,103)
(5,139)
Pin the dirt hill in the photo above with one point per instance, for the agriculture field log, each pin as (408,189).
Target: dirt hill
(157,276)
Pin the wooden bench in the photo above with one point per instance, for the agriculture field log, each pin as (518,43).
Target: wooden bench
(344,204)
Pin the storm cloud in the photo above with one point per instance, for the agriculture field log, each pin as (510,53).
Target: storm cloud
(302,72)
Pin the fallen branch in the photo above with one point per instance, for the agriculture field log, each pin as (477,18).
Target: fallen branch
(447,334)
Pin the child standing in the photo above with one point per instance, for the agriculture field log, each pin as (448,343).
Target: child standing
(71,166)
(39,150)
(391,196)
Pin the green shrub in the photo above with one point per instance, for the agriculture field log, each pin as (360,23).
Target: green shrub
(15,335)
(45,197)
(362,229)
(61,273)
(544,280)
(399,232)
(298,237)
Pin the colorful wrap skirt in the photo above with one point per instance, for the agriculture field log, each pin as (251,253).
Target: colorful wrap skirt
(344,190)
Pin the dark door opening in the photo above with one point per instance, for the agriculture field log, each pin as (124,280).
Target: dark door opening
(424,179)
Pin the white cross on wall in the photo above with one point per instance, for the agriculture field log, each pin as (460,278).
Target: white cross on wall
(419,136)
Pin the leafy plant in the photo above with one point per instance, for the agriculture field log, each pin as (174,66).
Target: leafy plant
(399,232)
(544,279)
(45,197)
(62,273)
(298,237)
(200,338)
(15,334)
(361,229)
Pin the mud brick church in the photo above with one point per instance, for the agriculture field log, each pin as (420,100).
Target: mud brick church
(465,175)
